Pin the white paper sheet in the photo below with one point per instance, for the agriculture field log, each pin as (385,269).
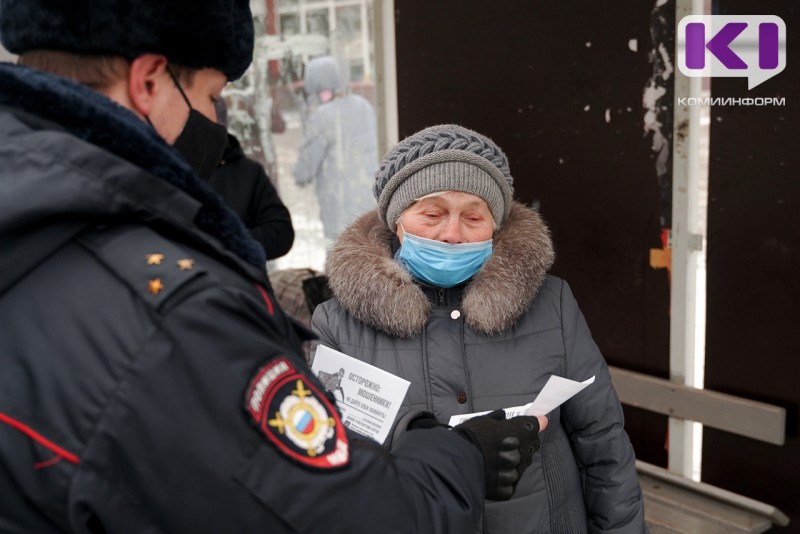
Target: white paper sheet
(369,398)
(556,391)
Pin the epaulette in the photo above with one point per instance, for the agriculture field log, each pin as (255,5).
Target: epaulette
(153,266)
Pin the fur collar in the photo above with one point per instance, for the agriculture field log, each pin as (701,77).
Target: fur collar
(93,117)
(378,291)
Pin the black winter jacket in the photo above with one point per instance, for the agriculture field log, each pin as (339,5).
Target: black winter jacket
(148,381)
(247,190)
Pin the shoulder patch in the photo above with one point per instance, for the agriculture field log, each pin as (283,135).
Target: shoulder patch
(295,417)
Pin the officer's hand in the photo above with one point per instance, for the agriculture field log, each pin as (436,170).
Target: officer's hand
(507,445)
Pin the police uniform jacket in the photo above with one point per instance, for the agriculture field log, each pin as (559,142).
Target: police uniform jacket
(148,381)
(493,343)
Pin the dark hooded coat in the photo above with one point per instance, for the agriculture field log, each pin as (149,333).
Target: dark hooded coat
(134,319)
(247,190)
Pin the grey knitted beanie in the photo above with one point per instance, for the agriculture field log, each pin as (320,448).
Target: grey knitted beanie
(447,157)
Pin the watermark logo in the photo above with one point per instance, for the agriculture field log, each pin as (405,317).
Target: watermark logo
(752,46)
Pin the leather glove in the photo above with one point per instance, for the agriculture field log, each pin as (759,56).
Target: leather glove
(507,446)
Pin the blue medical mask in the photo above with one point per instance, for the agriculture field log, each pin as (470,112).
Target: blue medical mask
(442,264)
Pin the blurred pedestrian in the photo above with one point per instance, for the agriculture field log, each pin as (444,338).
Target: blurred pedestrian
(339,152)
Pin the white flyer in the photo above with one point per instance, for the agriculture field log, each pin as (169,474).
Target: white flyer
(556,391)
(369,398)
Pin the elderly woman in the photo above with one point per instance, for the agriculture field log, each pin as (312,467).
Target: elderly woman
(446,285)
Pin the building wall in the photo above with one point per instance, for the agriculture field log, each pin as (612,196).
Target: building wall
(753,263)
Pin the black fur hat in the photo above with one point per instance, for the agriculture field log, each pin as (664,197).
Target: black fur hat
(192,33)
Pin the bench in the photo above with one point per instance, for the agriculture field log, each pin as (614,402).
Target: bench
(676,504)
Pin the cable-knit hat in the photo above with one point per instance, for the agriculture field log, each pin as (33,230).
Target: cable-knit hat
(447,157)
(193,33)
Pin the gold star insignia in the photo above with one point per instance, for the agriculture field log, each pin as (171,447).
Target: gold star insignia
(155,286)
(185,264)
(154,259)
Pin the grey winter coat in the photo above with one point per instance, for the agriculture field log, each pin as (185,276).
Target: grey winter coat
(514,328)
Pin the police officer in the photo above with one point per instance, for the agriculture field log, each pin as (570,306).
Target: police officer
(148,380)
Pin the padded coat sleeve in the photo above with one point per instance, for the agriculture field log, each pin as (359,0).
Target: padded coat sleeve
(270,222)
(594,421)
(177,445)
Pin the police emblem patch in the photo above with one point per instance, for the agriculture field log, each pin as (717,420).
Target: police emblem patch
(295,417)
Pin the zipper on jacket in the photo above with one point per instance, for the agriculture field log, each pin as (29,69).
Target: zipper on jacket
(466,369)
(442,298)
(426,372)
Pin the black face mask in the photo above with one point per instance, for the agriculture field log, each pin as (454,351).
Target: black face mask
(202,141)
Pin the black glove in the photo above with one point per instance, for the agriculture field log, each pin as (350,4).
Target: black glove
(507,446)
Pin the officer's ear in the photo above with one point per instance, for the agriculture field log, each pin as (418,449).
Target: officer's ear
(147,83)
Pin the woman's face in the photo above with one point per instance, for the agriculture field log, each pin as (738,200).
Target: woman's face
(453,217)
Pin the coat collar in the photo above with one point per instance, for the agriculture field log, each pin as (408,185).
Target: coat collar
(98,120)
(379,292)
